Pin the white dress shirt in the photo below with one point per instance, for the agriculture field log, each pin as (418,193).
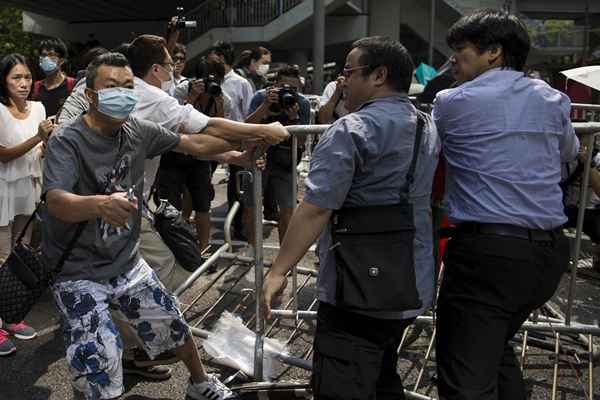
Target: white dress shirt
(157,106)
(240,92)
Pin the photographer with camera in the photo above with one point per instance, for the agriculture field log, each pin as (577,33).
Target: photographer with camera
(279,103)
(179,172)
(332,102)
(240,91)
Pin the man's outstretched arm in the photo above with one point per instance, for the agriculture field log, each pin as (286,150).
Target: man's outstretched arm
(238,131)
(305,227)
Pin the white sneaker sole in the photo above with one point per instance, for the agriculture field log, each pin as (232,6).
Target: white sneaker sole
(23,337)
(5,353)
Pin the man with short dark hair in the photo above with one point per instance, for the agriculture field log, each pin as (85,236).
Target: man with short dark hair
(54,89)
(182,175)
(240,91)
(504,137)
(361,161)
(267,107)
(94,174)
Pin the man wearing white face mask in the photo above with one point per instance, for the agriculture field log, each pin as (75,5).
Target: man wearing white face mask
(56,87)
(94,174)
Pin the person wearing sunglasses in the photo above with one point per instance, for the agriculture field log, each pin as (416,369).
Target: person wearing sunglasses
(179,59)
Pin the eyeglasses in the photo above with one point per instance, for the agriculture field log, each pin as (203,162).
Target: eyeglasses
(347,72)
(178,60)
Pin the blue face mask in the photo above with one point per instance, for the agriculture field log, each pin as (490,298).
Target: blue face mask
(48,65)
(116,102)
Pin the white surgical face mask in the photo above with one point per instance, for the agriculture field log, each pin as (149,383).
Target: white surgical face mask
(262,69)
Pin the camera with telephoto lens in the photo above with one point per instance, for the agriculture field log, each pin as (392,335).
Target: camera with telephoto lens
(288,97)
(182,23)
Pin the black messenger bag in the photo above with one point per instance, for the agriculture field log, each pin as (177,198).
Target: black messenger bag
(374,251)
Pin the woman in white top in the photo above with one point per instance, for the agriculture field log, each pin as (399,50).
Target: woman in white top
(23,129)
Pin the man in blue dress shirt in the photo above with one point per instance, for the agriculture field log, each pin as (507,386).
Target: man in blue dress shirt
(362,160)
(504,137)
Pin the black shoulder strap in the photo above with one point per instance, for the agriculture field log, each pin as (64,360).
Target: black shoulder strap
(67,252)
(410,175)
(70,246)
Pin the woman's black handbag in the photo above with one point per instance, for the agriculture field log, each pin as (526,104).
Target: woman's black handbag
(24,276)
(178,235)
(374,251)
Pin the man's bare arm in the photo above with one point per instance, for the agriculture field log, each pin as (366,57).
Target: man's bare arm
(307,223)
(238,131)
(205,146)
(114,209)
(73,208)
(259,114)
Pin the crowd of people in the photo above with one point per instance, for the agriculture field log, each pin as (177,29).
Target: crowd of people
(103,148)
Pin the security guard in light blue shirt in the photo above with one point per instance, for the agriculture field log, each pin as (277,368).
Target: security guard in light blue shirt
(504,137)
(361,161)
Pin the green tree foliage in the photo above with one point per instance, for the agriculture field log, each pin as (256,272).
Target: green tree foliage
(12,37)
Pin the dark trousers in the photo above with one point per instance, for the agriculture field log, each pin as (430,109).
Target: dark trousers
(355,356)
(491,284)
(232,195)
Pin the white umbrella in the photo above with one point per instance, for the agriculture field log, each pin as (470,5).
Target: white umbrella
(589,76)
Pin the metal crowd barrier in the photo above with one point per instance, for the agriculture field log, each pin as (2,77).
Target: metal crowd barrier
(536,323)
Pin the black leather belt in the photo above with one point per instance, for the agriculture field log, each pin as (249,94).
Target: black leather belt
(519,232)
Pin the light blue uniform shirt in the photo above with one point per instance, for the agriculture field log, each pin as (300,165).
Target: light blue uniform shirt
(362,160)
(504,137)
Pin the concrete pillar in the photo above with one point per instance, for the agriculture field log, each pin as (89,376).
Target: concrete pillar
(318,45)
(431,31)
(384,18)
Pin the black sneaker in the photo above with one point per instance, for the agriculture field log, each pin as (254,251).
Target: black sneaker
(155,373)
(141,359)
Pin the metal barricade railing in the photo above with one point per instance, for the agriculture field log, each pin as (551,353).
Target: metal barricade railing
(556,326)
(588,131)
(585,112)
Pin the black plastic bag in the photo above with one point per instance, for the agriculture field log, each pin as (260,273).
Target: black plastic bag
(179,236)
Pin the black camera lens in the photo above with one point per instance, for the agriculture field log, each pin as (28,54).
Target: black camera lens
(275,108)
(213,89)
(288,100)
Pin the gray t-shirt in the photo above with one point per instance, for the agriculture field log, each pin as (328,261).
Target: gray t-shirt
(82,161)
(362,160)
